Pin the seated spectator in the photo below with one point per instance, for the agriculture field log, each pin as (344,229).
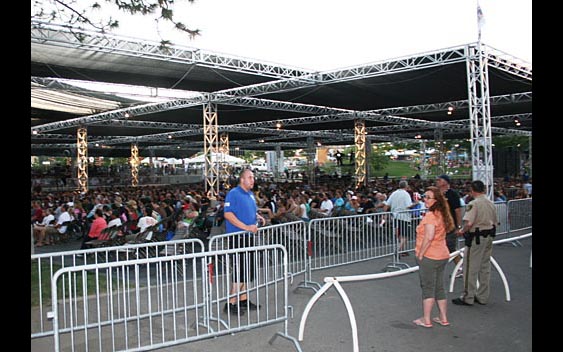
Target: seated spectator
(52,233)
(98,225)
(40,229)
(115,219)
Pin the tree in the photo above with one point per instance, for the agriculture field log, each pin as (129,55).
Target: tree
(84,14)
(378,160)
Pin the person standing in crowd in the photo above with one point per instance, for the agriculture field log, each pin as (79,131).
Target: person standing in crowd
(241,213)
(479,229)
(398,203)
(454,202)
(432,256)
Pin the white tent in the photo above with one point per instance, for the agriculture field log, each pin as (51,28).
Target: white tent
(216,157)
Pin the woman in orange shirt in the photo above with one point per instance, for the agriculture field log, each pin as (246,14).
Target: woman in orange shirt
(432,256)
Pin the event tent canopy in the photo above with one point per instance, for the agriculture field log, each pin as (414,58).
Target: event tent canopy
(216,157)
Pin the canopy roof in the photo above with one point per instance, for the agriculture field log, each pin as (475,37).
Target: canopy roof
(216,157)
(260,105)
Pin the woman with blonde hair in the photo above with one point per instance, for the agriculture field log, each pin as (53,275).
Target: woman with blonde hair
(432,255)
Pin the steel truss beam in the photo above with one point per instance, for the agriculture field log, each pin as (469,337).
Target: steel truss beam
(59,35)
(507,63)
(146,124)
(458,104)
(431,59)
(55,136)
(457,126)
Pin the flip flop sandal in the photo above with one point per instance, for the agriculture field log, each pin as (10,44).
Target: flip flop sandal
(420,322)
(443,323)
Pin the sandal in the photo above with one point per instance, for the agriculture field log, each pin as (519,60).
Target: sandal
(439,321)
(420,322)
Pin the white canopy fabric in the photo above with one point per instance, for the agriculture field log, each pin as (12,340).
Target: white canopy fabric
(216,157)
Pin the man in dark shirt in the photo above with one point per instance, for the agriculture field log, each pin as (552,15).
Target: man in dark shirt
(443,183)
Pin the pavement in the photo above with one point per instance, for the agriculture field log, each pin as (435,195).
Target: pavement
(384,310)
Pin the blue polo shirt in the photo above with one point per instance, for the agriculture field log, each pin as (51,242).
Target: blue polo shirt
(243,205)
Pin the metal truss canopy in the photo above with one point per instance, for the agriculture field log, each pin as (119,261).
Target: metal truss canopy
(279,106)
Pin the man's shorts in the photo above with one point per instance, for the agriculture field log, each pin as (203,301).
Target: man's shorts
(451,241)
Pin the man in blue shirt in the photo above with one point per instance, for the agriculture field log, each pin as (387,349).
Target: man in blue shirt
(241,214)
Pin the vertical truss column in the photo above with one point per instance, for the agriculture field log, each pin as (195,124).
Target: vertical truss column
(369,152)
(210,146)
(82,158)
(277,164)
(440,145)
(311,151)
(360,157)
(480,116)
(151,165)
(134,162)
(530,155)
(223,150)
(423,162)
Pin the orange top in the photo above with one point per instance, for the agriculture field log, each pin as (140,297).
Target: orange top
(437,249)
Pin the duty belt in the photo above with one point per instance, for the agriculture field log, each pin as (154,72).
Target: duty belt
(477,234)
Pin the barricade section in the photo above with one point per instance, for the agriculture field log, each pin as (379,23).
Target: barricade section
(342,240)
(520,214)
(157,302)
(291,235)
(43,267)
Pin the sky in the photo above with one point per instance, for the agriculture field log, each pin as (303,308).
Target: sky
(330,34)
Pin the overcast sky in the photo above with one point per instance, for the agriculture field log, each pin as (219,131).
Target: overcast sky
(329,34)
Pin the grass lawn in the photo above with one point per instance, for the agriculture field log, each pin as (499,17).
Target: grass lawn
(45,284)
(397,168)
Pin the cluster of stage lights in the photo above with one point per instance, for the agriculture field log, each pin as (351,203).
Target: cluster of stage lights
(450,110)
(517,122)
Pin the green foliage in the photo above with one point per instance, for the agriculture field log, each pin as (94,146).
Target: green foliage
(512,141)
(377,160)
(83,14)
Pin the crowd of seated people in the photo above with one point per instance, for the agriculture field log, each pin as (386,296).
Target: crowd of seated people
(182,207)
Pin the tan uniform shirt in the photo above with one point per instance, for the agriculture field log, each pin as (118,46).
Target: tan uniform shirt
(482,213)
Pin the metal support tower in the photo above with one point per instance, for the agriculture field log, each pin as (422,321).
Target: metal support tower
(278,161)
(224,169)
(151,164)
(360,157)
(439,145)
(369,152)
(530,155)
(423,168)
(210,145)
(311,151)
(480,116)
(82,158)
(134,162)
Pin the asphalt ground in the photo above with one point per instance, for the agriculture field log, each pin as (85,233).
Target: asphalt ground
(384,310)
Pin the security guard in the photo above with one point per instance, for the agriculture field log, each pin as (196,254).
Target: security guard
(479,225)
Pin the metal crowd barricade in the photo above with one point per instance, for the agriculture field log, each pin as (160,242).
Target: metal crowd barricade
(292,235)
(151,303)
(43,267)
(503,225)
(520,214)
(335,241)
